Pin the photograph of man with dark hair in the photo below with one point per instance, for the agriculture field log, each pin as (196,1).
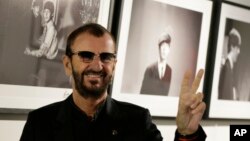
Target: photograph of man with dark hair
(157,76)
(227,89)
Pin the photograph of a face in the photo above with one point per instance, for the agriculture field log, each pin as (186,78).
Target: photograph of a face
(231,79)
(156,47)
(33,42)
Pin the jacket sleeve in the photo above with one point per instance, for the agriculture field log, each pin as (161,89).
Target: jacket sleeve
(199,135)
(145,82)
(151,131)
(153,134)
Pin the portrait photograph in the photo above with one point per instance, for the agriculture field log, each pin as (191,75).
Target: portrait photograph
(33,37)
(155,49)
(231,78)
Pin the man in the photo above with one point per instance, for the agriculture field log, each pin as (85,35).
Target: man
(157,76)
(90,114)
(227,89)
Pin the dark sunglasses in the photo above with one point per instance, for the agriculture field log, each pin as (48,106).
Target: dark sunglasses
(87,56)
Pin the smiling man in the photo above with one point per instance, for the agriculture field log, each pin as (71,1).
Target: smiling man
(90,114)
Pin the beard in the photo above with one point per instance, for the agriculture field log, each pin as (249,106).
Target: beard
(91,91)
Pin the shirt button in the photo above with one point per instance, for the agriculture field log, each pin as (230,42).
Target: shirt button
(114,132)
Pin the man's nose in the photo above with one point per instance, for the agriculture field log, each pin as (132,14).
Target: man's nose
(96,63)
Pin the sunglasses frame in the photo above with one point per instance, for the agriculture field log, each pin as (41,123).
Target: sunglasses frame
(93,55)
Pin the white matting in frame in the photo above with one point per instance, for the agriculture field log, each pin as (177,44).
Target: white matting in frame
(134,24)
(21,97)
(239,19)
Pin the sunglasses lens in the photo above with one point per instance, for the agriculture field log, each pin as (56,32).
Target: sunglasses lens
(107,57)
(86,56)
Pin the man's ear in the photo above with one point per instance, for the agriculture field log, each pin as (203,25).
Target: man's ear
(67,65)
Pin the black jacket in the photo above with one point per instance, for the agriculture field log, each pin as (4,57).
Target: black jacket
(152,84)
(117,121)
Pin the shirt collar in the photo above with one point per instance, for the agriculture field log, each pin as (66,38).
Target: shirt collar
(80,112)
(230,61)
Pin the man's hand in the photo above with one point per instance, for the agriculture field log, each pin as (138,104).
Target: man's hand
(191,105)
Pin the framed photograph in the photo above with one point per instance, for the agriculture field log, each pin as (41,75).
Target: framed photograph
(32,44)
(158,41)
(230,97)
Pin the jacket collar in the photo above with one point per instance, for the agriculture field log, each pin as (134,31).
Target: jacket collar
(64,131)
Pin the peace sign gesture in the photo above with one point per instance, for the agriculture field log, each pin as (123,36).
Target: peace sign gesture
(191,105)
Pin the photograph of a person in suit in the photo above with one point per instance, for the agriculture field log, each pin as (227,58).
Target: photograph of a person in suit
(48,40)
(227,89)
(157,77)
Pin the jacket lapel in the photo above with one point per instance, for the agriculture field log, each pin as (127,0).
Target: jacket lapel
(63,128)
(113,118)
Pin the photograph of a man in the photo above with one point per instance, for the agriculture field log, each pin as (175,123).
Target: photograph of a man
(143,49)
(157,76)
(227,89)
(48,40)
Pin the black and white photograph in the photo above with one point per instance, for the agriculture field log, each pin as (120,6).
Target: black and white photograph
(153,56)
(231,79)
(33,37)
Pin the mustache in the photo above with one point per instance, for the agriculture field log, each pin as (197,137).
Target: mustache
(92,72)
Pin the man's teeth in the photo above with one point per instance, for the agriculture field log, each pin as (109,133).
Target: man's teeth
(94,75)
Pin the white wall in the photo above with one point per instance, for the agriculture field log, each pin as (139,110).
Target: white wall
(216,130)
(10,130)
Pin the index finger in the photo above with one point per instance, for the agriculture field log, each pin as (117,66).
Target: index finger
(196,82)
